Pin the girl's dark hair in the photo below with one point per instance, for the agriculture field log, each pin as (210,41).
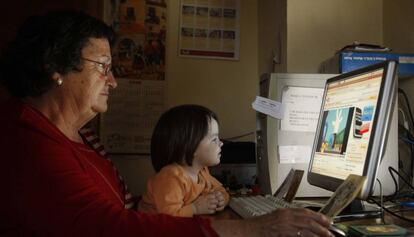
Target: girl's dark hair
(178,133)
(45,45)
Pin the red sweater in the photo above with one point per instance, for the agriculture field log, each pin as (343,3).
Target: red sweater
(55,187)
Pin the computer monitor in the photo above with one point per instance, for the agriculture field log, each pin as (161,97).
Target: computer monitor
(352,128)
(237,168)
(271,136)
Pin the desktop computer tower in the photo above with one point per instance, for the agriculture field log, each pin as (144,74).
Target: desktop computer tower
(270,136)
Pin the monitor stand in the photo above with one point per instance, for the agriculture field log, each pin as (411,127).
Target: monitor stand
(357,210)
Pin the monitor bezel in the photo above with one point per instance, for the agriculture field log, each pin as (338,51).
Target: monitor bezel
(377,143)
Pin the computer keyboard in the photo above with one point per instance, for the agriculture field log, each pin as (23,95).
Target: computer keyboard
(251,206)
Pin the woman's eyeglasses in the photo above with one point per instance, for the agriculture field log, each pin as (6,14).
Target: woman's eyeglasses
(106,68)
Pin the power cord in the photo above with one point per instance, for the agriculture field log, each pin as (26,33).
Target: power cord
(393,197)
(405,122)
(391,169)
(408,139)
(391,212)
(401,91)
(381,201)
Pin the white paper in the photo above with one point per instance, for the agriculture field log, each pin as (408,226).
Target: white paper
(302,106)
(294,154)
(268,107)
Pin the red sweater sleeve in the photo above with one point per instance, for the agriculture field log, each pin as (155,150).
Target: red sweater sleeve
(49,192)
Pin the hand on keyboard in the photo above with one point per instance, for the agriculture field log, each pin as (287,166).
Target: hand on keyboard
(292,222)
(281,222)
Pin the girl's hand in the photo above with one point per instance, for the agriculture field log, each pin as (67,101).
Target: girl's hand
(221,202)
(205,204)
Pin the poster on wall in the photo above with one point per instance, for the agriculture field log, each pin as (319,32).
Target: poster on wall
(209,29)
(135,107)
(138,64)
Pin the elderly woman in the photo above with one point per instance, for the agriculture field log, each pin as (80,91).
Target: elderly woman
(58,70)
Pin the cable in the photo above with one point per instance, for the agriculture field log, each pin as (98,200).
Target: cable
(401,169)
(408,106)
(406,140)
(392,169)
(395,183)
(391,212)
(397,190)
(409,140)
(409,176)
(401,91)
(381,201)
(405,122)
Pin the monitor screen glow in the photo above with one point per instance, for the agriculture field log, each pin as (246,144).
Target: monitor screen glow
(351,132)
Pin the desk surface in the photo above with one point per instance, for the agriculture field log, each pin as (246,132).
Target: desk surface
(228,214)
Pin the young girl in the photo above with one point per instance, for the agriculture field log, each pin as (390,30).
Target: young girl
(184,143)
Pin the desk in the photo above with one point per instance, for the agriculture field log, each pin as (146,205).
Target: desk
(229,214)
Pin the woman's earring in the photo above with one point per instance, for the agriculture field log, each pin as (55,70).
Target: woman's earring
(59,81)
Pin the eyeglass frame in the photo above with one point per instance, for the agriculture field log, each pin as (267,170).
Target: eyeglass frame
(107,67)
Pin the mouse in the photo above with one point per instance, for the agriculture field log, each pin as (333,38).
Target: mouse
(336,231)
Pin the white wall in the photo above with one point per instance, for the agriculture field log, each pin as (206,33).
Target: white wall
(399,25)
(226,87)
(317,28)
(272,36)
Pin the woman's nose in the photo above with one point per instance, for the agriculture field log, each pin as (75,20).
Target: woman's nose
(112,81)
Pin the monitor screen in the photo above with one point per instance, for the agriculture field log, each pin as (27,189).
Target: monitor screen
(352,128)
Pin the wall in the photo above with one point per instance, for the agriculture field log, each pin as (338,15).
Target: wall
(226,87)
(301,33)
(294,29)
(18,10)
(399,34)
(317,28)
(272,23)
(398,25)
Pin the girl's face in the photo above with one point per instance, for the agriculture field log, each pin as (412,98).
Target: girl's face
(208,151)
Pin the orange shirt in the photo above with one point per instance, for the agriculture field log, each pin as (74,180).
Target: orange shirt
(171,191)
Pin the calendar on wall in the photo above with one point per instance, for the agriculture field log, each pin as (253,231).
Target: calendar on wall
(133,110)
(209,29)
(138,64)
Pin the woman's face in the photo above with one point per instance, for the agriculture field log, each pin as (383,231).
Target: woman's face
(89,88)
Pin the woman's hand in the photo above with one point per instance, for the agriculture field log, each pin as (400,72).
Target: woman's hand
(295,222)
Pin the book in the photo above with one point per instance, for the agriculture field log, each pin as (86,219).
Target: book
(343,195)
(290,185)
(377,230)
